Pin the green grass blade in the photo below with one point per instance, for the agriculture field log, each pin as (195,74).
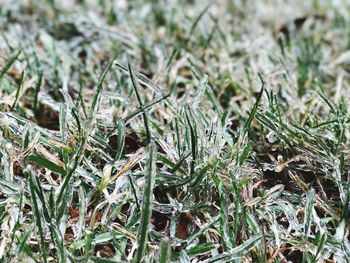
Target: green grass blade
(199,17)
(138,96)
(164,251)
(120,140)
(46,163)
(9,64)
(20,83)
(88,242)
(146,203)
(255,107)
(237,251)
(308,211)
(37,214)
(36,92)
(193,144)
(98,90)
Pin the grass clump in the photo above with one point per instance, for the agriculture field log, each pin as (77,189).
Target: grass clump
(174,131)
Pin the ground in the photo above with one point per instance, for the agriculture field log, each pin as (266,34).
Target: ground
(174,131)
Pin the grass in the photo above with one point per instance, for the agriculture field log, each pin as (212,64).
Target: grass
(174,131)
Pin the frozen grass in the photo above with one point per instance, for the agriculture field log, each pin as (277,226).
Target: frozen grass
(182,131)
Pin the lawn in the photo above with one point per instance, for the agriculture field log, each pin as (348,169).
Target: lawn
(174,131)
